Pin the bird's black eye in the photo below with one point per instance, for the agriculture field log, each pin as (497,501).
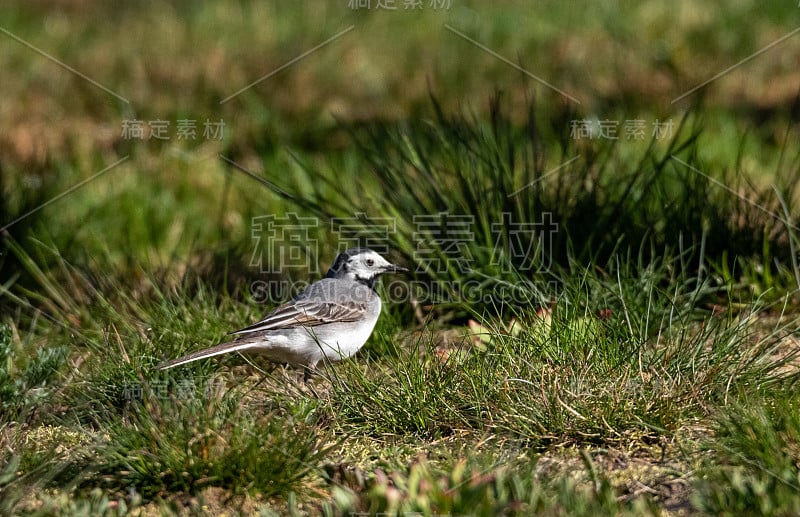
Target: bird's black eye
(370,262)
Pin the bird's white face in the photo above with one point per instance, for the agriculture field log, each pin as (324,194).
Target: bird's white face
(367,265)
(361,265)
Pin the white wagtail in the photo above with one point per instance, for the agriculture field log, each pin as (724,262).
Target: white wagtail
(330,320)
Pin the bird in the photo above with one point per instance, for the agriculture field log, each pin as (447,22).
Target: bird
(330,320)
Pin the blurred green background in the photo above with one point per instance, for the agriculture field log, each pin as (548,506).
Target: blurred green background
(173,61)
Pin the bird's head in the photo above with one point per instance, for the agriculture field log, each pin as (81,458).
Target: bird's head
(361,265)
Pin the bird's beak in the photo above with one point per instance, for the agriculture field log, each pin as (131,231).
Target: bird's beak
(394,268)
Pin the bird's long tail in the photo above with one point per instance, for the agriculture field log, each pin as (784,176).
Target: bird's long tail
(224,348)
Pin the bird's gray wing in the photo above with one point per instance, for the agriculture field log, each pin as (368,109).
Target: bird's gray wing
(310,310)
(326,301)
(302,312)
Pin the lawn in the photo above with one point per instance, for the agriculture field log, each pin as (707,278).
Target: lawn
(596,203)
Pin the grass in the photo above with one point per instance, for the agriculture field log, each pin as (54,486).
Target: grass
(166,447)
(654,363)
(616,360)
(26,377)
(756,446)
(511,220)
(462,488)
(638,358)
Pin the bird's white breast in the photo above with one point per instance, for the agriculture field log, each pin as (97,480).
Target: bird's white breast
(343,340)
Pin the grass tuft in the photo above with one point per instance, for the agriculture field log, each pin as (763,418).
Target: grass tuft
(756,465)
(171,444)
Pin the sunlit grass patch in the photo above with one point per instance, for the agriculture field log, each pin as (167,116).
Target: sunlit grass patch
(755,467)
(28,376)
(477,485)
(653,363)
(164,445)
